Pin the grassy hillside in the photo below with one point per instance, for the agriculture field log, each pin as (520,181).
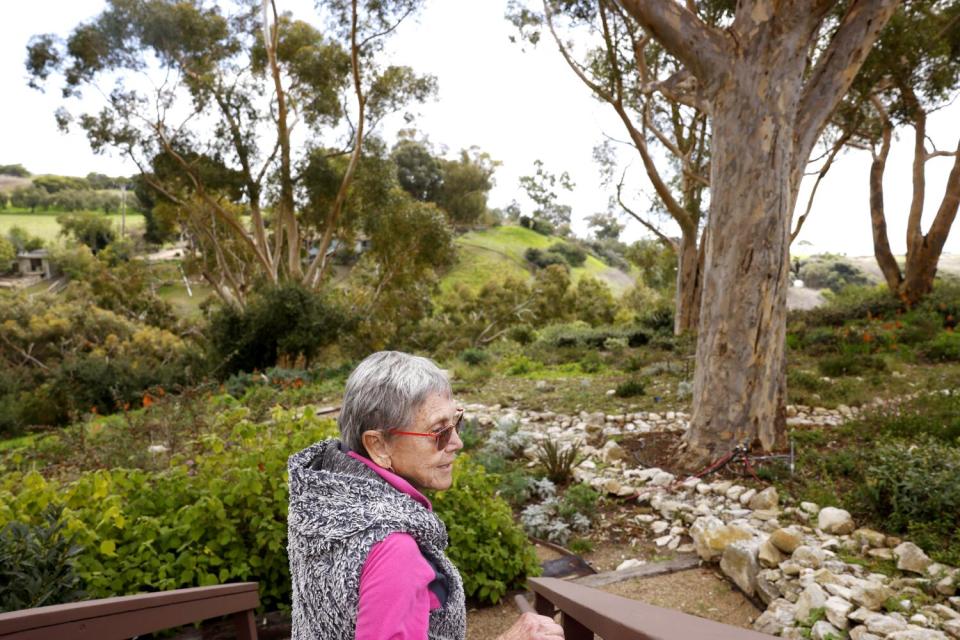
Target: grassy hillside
(45,226)
(498,253)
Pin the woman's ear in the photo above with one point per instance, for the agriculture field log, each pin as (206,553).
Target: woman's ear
(376,445)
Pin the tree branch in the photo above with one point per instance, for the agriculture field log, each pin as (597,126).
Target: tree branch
(701,48)
(837,146)
(836,69)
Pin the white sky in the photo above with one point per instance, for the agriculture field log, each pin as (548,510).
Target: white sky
(517,106)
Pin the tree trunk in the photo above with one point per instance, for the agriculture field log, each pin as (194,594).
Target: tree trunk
(740,378)
(689,285)
(921,267)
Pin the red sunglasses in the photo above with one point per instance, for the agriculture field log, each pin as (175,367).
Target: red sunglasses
(442,436)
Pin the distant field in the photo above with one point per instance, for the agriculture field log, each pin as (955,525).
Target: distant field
(44,225)
(497,253)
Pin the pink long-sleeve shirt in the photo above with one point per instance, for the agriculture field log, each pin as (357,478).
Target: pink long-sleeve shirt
(395,594)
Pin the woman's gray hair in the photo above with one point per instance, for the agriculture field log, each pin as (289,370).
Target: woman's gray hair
(384,392)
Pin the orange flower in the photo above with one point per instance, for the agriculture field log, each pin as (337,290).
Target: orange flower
(867,337)
(161,392)
(147,400)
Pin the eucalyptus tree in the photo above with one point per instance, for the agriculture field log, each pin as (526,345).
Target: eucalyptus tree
(912,72)
(772,74)
(625,68)
(225,107)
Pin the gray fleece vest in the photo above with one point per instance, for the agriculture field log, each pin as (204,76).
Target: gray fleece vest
(339,509)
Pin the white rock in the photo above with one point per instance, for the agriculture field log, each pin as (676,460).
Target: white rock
(835,521)
(813,597)
(809,557)
(768,555)
(662,479)
(746,496)
(952,627)
(766,499)
(911,558)
(778,616)
(711,536)
(734,492)
(861,633)
(885,625)
(823,630)
(630,564)
(870,595)
(810,507)
(739,563)
(918,634)
(787,540)
(837,610)
(659,526)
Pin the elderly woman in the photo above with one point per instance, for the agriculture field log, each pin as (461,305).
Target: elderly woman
(366,550)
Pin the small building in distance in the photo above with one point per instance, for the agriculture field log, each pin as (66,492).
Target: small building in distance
(33,263)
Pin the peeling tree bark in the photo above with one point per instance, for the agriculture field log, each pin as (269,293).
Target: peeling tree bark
(766,120)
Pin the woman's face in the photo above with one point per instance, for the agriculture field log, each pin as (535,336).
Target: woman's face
(416,459)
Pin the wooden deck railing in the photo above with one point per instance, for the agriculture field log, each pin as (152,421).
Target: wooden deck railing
(587,611)
(128,616)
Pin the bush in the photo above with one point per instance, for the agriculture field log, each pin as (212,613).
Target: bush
(944,348)
(580,334)
(36,564)
(630,389)
(490,550)
(853,303)
(912,488)
(572,254)
(831,272)
(474,357)
(216,516)
(287,321)
(850,364)
(543,259)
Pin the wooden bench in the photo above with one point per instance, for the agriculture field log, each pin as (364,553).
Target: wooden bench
(587,611)
(124,617)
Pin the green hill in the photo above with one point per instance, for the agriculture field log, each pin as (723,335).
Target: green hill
(497,253)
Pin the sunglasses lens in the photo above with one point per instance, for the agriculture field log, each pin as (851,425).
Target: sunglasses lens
(444,439)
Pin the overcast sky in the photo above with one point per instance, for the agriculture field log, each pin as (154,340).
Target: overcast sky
(517,106)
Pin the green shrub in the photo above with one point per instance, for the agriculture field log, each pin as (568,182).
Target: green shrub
(216,516)
(852,303)
(630,389)
(282,322)
(831,272)
(912,487)
(850,364)
(516,487)
(944,348)
(820,340)
(543,259)
(591,363)
(490,550)
(36,564)
(572,254)
(579,498)
(473,356)
(580,334)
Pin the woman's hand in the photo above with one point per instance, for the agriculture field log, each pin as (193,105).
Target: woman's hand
(531,626)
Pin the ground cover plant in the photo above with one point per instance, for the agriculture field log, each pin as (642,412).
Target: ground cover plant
(896,469)
(191,490)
